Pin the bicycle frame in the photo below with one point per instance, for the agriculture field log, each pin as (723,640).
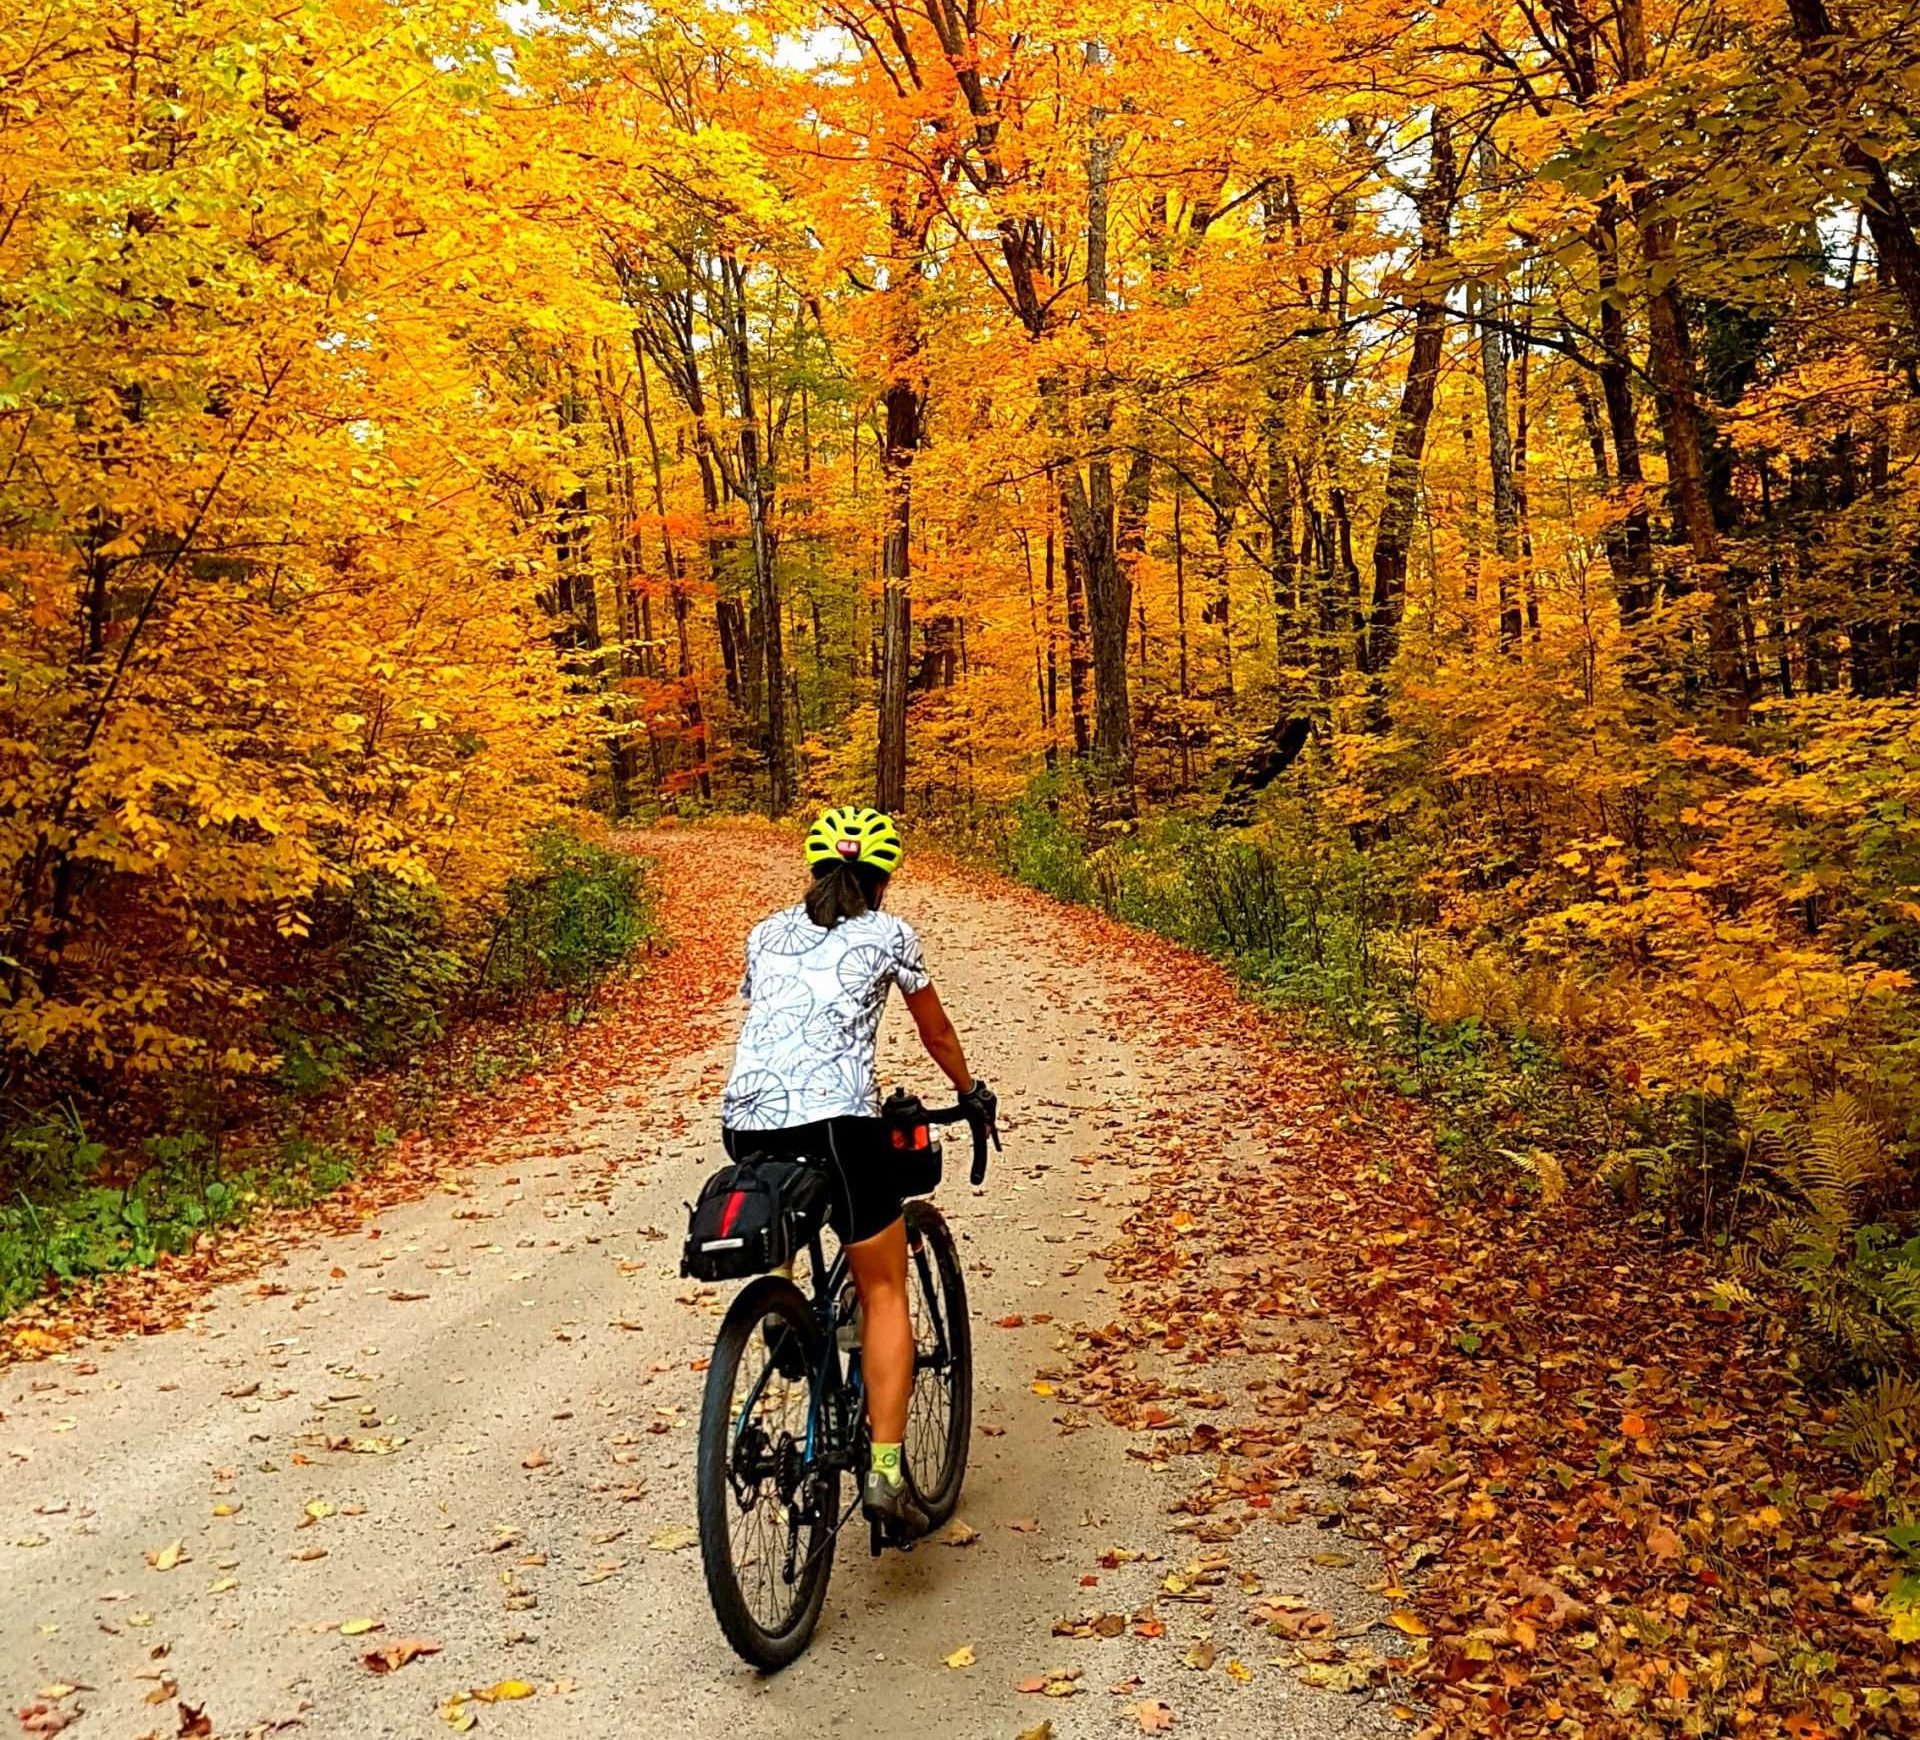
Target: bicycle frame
(835,1442)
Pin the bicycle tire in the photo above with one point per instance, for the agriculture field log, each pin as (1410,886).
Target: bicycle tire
(766,1647)
(939,1490)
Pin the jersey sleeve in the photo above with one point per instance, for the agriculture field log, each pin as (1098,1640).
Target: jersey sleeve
(908,964)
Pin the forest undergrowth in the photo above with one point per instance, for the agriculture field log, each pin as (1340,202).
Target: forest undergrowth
(392,1026)
(1647,1228)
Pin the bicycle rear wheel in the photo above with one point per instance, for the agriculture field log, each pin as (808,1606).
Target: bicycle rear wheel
(940,1409)
(767,1507)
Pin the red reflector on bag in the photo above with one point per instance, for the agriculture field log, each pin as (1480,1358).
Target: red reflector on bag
(733,1211)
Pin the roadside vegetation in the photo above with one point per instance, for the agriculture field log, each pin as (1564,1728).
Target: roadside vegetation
(1787,1171)
(390,988)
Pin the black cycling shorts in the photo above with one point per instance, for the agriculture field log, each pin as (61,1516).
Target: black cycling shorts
(859,1162)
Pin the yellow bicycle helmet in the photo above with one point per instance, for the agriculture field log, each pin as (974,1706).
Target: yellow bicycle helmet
(854,834)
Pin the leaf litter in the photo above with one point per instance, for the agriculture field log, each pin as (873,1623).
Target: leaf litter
(1612,1509)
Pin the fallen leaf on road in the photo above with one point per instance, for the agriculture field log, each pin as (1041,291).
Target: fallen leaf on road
(536,1457)
(504,1691)
(963,1657)
(1405,1619)
(317,1510)
(398,1653)
(455,1714)
(1023,1525)
(359,1627)
(165,1558)
(960,1533)
(194,1722)
(1153,1716)
(1339,1676)
(1039,1731)
(1014,1322)
(1239,1672)
(40,1719)
(674,1540)
(403,1296)
(306,1555)
(1201,1655)
(222,1585)
(1054,1683)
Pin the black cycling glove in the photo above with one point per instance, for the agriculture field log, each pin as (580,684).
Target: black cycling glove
(981,1101)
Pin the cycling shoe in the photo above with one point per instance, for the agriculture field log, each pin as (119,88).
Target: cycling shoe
(892,1505)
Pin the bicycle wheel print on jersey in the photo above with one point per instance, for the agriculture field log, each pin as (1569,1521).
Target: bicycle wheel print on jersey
(872,1374)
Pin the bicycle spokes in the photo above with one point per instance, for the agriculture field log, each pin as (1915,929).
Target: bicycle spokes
(767,1471)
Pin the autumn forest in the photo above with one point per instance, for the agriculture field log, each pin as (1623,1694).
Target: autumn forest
(1421,504)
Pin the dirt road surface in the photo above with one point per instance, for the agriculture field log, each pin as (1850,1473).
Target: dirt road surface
(473,1423)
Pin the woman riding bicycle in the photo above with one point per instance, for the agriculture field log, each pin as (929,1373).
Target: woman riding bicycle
(804,1080)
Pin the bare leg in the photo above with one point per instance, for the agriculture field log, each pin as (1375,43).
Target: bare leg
(879,1267)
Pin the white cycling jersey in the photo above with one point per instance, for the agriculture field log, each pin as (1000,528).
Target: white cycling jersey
(807,1049)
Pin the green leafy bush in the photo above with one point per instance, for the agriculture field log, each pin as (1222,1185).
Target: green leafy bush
(574,917)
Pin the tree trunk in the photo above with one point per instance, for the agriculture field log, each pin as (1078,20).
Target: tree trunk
(756,484)
(1079,658)
(677,600)
(896,631)
(1393,534)
(1506,515)
(1893,237)
(904,418)
(1670,363)
(1091,518)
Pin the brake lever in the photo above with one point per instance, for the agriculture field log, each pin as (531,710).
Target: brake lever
(980,1151)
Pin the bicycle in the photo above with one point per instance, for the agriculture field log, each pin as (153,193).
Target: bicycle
(779,1429)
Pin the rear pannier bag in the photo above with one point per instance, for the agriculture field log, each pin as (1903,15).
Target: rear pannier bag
(751,1217)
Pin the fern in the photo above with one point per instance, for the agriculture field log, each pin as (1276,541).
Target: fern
(1810,1199)
(1843,1162)
(1877,1421)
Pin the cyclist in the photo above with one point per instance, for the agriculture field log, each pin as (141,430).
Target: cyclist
(804,1081)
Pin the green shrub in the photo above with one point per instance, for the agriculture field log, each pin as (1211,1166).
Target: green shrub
(568,922)
(399,973)
(176,1191)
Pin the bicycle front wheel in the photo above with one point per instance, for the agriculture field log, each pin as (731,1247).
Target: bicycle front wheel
(767,1505)
(940,1409)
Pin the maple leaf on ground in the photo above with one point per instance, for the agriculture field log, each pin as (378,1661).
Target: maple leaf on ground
(390,1657)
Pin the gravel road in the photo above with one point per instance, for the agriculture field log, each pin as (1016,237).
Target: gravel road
(473,1423)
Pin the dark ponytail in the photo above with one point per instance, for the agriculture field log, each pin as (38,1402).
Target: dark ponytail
(842,891)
